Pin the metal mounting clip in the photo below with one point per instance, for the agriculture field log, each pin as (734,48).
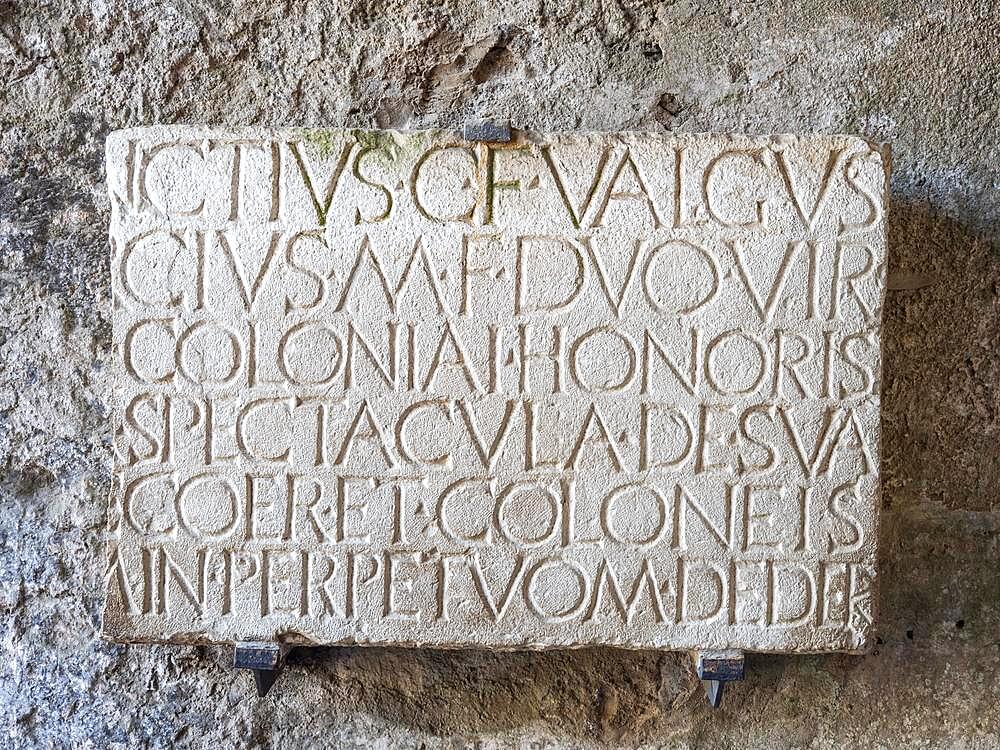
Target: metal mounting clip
(491,131)
(715,669)
(265,659)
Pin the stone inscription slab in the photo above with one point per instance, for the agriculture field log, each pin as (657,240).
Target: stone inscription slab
(401,388)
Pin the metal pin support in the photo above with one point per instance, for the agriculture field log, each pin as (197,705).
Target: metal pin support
(715,669)
(265,659)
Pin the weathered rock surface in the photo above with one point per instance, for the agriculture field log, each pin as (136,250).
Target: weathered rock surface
(398,388)
(921,76)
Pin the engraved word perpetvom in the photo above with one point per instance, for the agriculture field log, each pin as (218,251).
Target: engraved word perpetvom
(403,388)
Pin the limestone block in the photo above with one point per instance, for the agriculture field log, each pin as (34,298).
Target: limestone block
(403,388)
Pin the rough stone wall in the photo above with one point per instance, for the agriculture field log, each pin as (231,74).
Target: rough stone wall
(924,76)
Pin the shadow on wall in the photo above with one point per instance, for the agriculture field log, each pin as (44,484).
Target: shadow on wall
(940,566)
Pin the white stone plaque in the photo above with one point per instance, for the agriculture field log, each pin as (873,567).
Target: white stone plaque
(402,388)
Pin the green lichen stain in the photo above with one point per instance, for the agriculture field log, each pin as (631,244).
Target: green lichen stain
(323,140)
(384,147)
(380,140)
(387,147)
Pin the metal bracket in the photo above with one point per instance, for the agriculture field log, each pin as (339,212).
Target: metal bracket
(491,131)
(715,669)
(265,659)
